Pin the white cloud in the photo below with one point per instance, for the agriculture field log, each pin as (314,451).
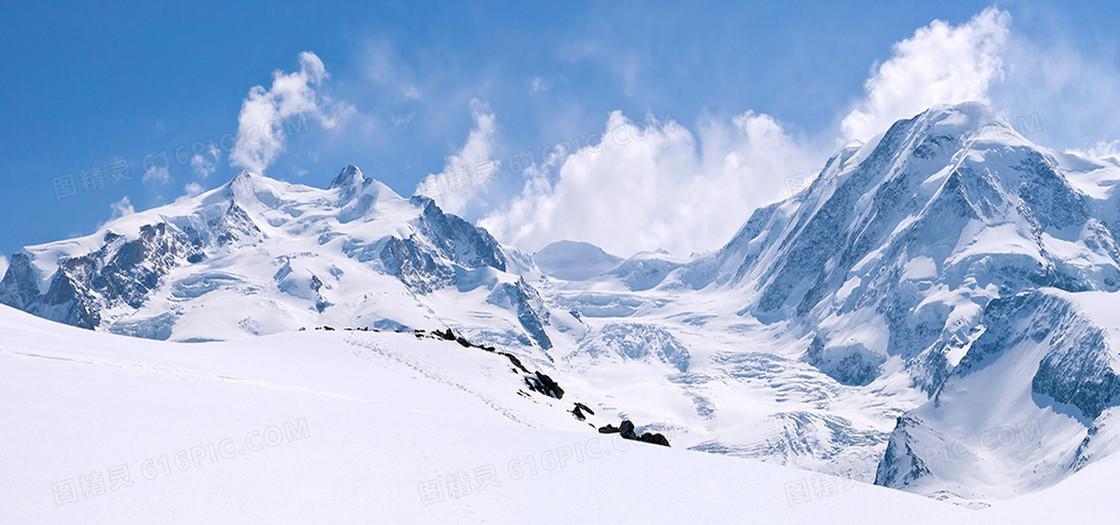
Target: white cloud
(1037,78)
(192,189)
(655,185)
(401,121)
(204,164)
(1102,150)
(383,66)
(538,85)
(1062,91)
(158,174)
(939,64)
(121,208)
(689,191)
(467,173)
(261,126)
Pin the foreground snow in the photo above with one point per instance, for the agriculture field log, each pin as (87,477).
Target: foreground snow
(330,427)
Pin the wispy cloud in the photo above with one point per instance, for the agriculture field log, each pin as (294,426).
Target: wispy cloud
(192,189)
(383,66)
(121,208)
(159,174)
(204,164)
(260,132)
(538,85)
(467,173)
(939,64)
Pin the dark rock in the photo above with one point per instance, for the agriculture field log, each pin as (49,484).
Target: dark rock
(579,409)
(627,430)
(656,439)
(516,362)
(545,385)
(609,429)
(446,334)
(121,272)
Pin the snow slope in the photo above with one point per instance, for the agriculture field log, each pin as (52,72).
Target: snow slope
(354,427)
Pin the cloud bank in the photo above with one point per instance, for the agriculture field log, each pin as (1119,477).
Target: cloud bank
(688,192)
(655,185)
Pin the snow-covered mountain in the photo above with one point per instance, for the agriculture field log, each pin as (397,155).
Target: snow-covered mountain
(259,256)
(574,261)
(931,314)
(954,254)
(949,268)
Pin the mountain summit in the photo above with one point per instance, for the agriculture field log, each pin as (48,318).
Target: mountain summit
(258,255)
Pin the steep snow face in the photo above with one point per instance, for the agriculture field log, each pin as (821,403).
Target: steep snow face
(259,256)
(953,255)
(1031,402)
(896,248)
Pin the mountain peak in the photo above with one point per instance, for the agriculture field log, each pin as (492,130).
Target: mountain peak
(351,175)
(245,177)
(974,108)
(247,180)
(962,118)
(575,260)
(247,187)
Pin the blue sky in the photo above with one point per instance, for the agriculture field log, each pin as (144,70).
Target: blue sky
(409,89)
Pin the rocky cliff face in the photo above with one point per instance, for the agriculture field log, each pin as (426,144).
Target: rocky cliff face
(121,272)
